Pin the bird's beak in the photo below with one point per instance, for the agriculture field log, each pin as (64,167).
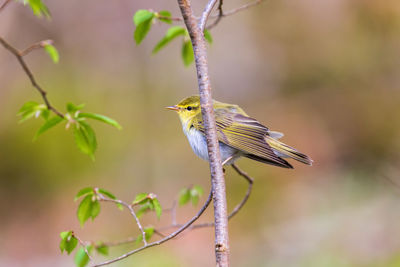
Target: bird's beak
(172,108)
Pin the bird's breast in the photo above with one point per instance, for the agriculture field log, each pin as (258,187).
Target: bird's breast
(198,142)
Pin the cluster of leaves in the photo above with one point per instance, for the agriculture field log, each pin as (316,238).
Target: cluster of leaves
(89,207)
(190,194)
(85,137)
(69,242)
(147,202)
(143,19)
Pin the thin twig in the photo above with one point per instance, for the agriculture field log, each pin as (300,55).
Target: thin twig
(34,46)
(159,242)
(170,18)
(220,15)
(84,246)
(233,212)
(18,54)
(129,207)
(236,10)
(207,11)
(4,4)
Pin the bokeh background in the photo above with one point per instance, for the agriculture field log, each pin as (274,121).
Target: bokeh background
(326,73)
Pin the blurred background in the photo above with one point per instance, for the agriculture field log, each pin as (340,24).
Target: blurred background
(325,73)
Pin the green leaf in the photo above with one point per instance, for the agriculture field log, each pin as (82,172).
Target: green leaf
(143,20)
(84,191)
(171,34)
(38,8)
(157,207)
(195,193)
(68,242)
(184,196)
(66,234)
(107,193)
(141,16)
(102,249)
(53,53)
(165,15)
(101,118)
(28,110)
(95,210)
(71,108)
(81,258)
(149,231)
(85,138)
(47,125)
(187,53)
(207,36)
(45,113)
(88,208)
(140,198)
(144,208)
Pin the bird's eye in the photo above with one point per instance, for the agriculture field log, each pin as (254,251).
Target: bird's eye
(189,108)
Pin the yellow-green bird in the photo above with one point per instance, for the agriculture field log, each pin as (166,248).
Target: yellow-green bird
(238,134)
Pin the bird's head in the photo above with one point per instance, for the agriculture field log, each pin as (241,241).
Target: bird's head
(187,108)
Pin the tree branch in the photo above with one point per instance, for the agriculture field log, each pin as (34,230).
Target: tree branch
(129,207)
(19,55)
(206,13)
(159,242)
(222,14)
(6,2)
(206,102)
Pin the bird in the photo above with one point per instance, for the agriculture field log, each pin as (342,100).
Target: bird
(238,135)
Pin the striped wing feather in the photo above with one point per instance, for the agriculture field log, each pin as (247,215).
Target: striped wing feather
(245,134)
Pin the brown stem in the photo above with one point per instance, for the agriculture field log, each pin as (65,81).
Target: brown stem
(159,242)
(217,174)
(19,55)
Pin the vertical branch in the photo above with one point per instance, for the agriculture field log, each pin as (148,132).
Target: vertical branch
(217,175)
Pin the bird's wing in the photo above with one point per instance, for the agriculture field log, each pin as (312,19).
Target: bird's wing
(243,133)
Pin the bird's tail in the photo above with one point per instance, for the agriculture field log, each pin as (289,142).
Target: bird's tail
(285,151)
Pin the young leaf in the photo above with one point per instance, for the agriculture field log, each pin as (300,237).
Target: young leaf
(101,118)
(45,113)
(140,198)
(106,193)
(157,207)
(28,110)
(149,231)
(83,192)
(164,16)
(81,258)
(141,16)
(47,125)
(144,208)
(38,8)
(88,208)
(187,53)
(68,242)
(102,249)
(53,53)
(207,36)
(71,108)
(95,209)
(184,196)
(195,194)
(171,34)
(143,20)
(85,138)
